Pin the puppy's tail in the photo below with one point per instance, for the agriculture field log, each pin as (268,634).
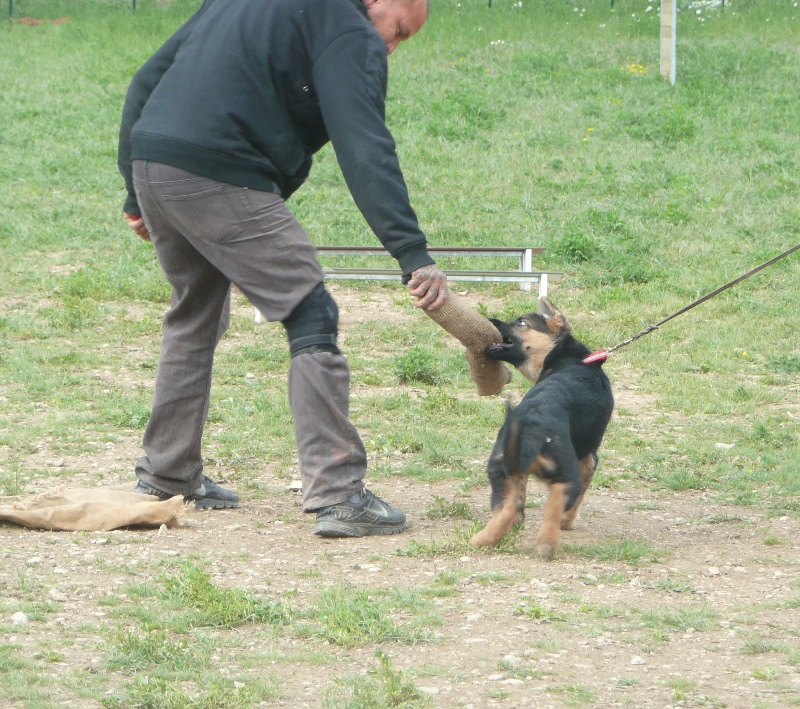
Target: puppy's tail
(523,444)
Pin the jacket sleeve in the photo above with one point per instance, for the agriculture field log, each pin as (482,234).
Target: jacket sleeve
(350,83)
(141,86)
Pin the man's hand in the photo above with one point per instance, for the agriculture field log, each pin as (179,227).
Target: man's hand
(137,224)
(429,285)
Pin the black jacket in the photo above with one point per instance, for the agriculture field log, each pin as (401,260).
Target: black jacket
(246,91)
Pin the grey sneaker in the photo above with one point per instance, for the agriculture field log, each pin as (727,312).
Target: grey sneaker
(362,514)
(208,496)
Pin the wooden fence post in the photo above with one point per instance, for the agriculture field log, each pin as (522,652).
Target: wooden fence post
(669,31)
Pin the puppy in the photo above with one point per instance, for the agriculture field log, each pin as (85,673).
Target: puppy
(555,431)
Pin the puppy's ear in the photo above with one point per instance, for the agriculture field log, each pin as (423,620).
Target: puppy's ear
(555,319)
(547,309)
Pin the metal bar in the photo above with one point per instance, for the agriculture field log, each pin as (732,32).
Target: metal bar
(386,274)
(525,276)
(526,264)
(453,251)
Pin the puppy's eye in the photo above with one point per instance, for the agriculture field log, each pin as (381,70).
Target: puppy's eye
(522,323)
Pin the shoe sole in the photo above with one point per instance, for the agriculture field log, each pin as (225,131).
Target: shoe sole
(206,504)
(199,503)
(334,529)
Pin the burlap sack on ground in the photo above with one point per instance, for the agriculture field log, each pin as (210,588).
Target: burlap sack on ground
(93,509)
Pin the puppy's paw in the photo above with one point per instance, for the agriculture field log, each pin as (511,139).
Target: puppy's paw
(484,538)
(544,550)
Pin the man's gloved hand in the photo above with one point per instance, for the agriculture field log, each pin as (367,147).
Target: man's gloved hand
(429,285)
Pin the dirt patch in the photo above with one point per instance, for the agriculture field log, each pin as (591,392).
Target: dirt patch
(516,632)
(705,614)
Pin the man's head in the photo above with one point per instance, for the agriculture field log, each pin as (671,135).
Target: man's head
(397,20)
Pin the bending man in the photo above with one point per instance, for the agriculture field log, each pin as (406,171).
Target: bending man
(218,130)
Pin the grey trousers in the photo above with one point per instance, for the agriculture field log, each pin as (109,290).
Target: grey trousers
(207,235)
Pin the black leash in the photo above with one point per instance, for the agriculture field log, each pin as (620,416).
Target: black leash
(601,356)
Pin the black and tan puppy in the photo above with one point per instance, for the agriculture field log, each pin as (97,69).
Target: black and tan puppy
(555,431)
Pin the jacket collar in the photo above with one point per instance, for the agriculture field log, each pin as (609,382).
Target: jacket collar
(361,7)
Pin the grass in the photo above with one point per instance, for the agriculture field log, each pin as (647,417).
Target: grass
(188,589)
(527,123)
(383,687)
(457,544)
(348,616)
(440,508)
(643,194)
(629,551)
(699,618)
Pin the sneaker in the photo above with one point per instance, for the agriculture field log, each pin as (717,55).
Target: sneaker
(208,496)
(362,514)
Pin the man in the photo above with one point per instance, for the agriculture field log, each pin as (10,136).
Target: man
(218,129)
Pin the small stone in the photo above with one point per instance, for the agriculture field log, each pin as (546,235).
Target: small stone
(432,691)
(19,618)
(34,560)
(513,681)
(296,486)
(162,530)
(725,446)
(713,571)
(637,660)
(495,678)
(56,595)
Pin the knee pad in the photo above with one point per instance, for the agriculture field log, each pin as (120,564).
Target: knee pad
(314,324)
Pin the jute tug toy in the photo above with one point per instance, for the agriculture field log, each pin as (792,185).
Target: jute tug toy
(476,333)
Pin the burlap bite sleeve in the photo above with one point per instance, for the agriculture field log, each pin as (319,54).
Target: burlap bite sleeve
(476,333)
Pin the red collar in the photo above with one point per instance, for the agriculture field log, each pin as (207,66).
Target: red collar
(597,357)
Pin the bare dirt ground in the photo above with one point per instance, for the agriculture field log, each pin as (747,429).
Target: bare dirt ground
(517,632)
(488,651)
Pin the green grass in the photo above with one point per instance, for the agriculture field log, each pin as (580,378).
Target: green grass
(528,124)
(348,616)
(440,508)
(530,609)
(699,618)
(383,687)
(188,587)
(644,194)
(626,550)
(457,544)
